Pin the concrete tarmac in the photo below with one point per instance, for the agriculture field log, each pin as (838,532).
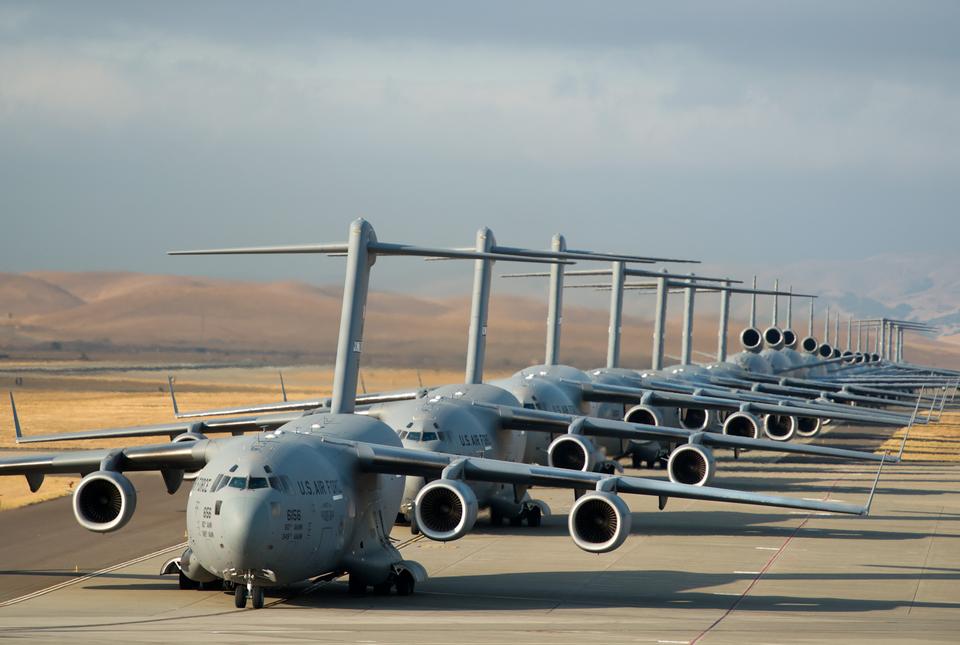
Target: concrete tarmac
(695,572)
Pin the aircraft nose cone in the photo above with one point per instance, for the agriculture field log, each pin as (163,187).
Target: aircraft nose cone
(246,531)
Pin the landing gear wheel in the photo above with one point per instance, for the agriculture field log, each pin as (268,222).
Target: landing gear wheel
(516,521)
(383,589)
(534,517)
(256,598)
(496,517)
(636,461)
(356,586)
(229,585)
(240,596)
(608,468)
(187,583)
(405,583)
(414,528)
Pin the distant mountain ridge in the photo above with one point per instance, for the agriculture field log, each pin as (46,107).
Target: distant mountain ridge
(159,317)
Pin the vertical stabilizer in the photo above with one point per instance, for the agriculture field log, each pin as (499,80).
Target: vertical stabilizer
(479,308)
(555,304)
(616,313)
(686,345)
(659,320)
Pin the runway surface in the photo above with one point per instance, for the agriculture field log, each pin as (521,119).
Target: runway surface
(696,572)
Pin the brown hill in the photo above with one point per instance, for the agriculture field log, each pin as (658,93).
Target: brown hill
(160,318)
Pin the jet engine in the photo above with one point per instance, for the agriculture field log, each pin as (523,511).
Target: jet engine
(599,522)
(573,452)
(779,427)
(824,351)
(189,436)
(104,501)
(773,338)
(743,424)
(644,414)
(751,340)
(694,418)
(808,426)
(445,509)
(790,338)
(691,464)
(809,345)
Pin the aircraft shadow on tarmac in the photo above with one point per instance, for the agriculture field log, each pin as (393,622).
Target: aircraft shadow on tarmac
(605,588)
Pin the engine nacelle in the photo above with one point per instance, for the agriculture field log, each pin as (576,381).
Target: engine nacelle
(692,464)
(599,522)
(808,426)
(694,418)
(790,338)
(751,340)
(773,338)
(743,424)
(189,436)
(573,452)
(104,501)
(809,345)
(446,509)
(193,569)
(836,353)
(644,414)
(779,427)
(824,351)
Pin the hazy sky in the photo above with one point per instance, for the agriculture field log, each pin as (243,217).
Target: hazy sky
(759,130)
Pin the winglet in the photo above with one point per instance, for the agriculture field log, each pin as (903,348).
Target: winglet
(283,388)
(173,397)
(16,419)
(866,508)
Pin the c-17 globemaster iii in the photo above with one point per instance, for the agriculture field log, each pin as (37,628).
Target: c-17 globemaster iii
(314,497)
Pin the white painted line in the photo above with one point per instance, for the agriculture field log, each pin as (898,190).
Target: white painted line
(674,642)
(725,593)
(73,581)
(751,573)
(767,548)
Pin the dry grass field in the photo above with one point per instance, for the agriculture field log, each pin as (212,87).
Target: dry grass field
(63,403)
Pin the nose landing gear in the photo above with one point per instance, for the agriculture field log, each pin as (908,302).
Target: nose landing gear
(255,592)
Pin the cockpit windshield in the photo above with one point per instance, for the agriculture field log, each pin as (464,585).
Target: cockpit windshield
(257,482)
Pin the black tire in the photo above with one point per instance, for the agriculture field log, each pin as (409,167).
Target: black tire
(257,598)
(187,583)
(383,589)
(405,583)
(534,517)
(636,461)
(356,586)
(496,518)
(240,596)
(516,521)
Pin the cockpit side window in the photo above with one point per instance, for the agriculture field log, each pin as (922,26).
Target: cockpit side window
(216,483)
(222,481)
(275,483)
(285,482)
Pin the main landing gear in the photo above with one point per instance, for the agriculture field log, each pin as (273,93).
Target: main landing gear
(403,581)
(530,513)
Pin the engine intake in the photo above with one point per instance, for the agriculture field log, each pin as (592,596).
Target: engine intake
(779,427)
(789,338)
(743,424)
(104,501)
(751,340)
(694,418)
(809,345)
(824,351)
(808,426)
(691,464)
(599,522)
(445,509)
(773,338)
(572,452)
(644,414)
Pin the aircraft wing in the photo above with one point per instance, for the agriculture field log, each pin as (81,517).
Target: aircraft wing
(558,423)
(187,455)
(620,394)
(403,461)
(233,426)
